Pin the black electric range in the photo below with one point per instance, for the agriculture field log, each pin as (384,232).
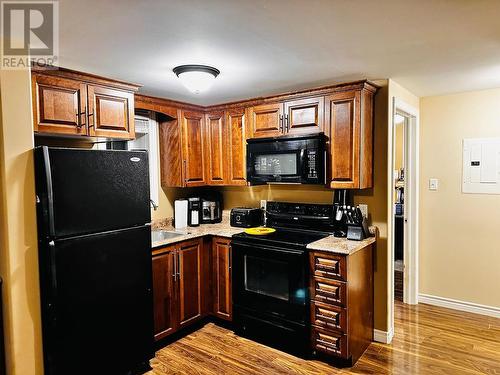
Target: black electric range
(270,275)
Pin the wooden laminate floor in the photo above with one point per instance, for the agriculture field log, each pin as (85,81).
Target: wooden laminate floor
(427,340)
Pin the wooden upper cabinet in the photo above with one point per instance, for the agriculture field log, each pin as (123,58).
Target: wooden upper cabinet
(216,136)
(350,128)
(59,105)
(266,120)
(170,140)
(221,274)
(164,293)
(193,146)
(236,147)
(295,117)
(190,276)
(111,113)
(66,102)
(304,116)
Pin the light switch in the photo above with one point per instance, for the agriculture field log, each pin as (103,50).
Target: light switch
(433,184)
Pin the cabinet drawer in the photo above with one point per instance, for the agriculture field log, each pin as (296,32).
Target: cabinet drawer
(329,316)
(329,342)
(328,265)
(329,291)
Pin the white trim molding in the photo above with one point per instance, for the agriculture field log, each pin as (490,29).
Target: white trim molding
(459,305)
(384,337)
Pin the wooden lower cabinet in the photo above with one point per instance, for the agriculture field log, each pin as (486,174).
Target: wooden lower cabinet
(177,286)
(164,293)
(341,290)
(221,278)
(189,279)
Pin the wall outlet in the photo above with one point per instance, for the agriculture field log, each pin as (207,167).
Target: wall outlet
(263,204)
(364,209)
(433,184)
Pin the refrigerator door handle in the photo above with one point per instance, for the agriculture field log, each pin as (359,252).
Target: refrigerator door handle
(50,192)
(53,276)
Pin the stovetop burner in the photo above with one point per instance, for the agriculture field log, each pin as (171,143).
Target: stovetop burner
(296,224)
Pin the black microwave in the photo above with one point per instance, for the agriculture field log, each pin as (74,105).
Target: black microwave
(287,160)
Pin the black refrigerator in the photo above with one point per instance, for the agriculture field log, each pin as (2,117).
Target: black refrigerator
(94,240)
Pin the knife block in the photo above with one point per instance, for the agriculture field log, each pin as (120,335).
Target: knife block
(358,232)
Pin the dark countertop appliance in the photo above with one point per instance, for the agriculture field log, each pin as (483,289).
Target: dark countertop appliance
(194,211)
(246,217)
(270,275)
(287,160)
(211,211)
(94,243)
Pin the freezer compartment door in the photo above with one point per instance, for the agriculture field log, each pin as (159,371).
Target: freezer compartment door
(97,302)
(87,191)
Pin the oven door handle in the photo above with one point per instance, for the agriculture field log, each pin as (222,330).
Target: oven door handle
(286,216)
(236,244)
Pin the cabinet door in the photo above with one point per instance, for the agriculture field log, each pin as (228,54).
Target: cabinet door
(266,120)
(111,113)
(59,105)
(236,146)
(221,272)
(170,151)
(193,147)
(164,296)
(304,116)
(189,274)
(343,119)
(216,151)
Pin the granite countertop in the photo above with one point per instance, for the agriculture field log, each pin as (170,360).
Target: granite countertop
(338,245)
(224,229)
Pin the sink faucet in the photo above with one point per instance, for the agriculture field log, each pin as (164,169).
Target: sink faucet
(153,204)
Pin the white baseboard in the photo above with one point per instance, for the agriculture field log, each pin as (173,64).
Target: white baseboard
(459,305)
(383,336)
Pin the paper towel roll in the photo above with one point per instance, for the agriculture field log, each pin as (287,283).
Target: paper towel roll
(180,213)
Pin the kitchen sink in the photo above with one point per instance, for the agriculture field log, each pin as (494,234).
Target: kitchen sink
(161,235)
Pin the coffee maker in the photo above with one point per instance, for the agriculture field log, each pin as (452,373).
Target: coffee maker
(342,199)
(211,207)
(211,212)
(194,211)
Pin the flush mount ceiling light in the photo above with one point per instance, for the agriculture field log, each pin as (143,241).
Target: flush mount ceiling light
(196,78)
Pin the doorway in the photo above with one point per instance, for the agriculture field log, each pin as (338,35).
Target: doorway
(404,204)
(401,123)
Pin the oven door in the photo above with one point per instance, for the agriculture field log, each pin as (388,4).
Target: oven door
(270,280)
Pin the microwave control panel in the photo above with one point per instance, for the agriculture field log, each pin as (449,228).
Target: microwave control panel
(312,168)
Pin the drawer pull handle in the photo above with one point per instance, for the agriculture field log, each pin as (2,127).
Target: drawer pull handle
(327,264)
(332,291)
(328,321)
(332,318)
(327,344)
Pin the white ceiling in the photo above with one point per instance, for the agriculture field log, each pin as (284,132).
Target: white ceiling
(264,47)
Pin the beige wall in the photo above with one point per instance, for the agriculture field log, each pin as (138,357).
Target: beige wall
(376,199)
(18,237)
(459,246)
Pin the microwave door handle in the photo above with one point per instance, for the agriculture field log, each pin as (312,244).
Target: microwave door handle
(303,162)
